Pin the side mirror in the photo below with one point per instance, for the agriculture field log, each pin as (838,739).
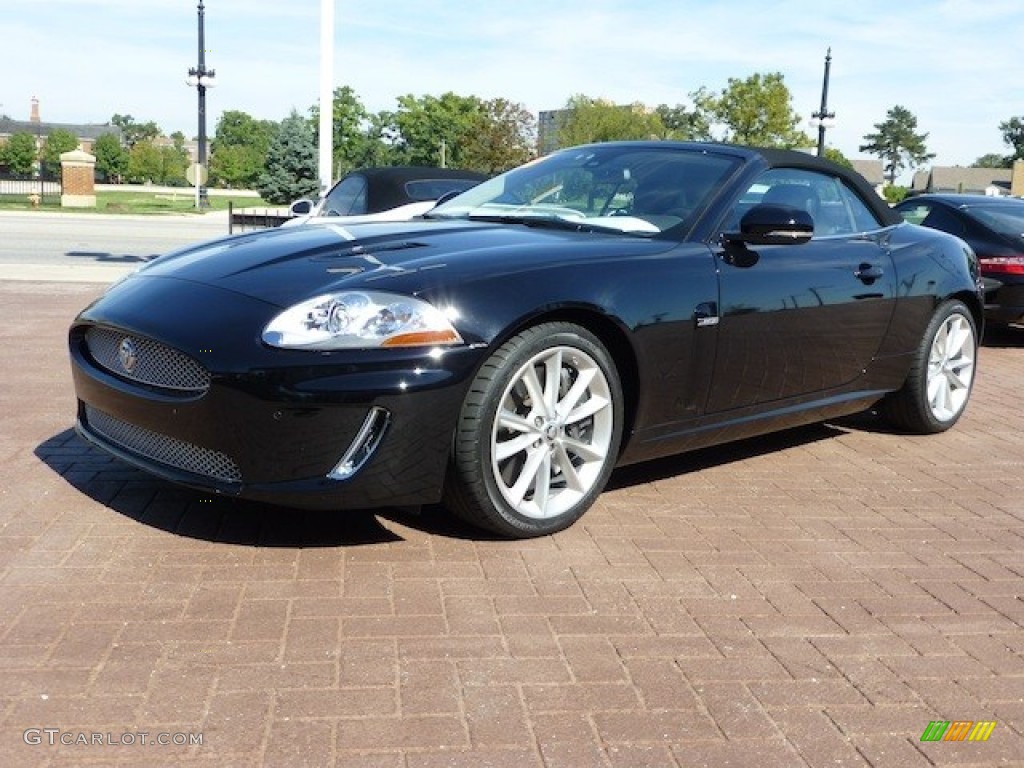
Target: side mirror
(770,224)
(301,207)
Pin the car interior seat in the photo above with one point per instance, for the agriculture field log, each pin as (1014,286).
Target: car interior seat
(800,196)
(661,194)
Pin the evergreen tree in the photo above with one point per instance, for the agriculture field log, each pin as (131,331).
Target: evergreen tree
(292,169)
(897,142)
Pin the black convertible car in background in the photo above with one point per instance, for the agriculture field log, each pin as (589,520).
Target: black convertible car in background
(994,228)
(384,194)
(603,305)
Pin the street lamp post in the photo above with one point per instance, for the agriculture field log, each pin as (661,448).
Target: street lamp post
(823,117)
(201,78)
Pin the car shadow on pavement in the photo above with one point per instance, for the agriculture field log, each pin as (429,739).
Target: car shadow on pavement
(193,514)
(716,456)
(110,258)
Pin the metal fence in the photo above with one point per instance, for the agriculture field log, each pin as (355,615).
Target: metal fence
(244,219)
(41,190)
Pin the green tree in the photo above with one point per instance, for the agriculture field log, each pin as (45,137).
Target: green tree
(993,160)
(894,193)
(757,111)
(174,161)
(837,157)
(682,124)
(18,155)
(379,147)
(434,130)
(503,137)
(238,152)
(1013,135)
(349,121)
(111,158)
(234,166)
(897,142)
(59,141)
(292,164)
(132,132)
(145,163)
(589,120)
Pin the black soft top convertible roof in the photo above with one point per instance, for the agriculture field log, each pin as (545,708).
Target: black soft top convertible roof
(789,158)
(388,188)
(786,158)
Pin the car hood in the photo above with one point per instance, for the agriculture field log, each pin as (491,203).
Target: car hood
(401,213)
(283,266)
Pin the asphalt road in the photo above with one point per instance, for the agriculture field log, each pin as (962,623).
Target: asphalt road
(94,247)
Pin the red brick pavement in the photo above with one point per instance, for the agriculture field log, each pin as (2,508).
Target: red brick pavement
(810,599)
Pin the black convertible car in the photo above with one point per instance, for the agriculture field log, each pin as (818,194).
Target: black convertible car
(994,228)
(384,194)
(603,305)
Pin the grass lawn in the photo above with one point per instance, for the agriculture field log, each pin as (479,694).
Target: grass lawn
(137,201)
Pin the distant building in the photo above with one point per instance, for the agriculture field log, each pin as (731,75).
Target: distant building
(994,182)
(86,133)
(872,171)
(549,123)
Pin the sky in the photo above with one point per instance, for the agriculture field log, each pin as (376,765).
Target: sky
(955,64)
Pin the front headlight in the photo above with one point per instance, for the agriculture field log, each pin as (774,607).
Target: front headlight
(360,320)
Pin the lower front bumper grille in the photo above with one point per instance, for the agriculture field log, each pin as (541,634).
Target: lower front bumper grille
(163,449)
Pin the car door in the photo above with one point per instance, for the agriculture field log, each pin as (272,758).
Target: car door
(801,320)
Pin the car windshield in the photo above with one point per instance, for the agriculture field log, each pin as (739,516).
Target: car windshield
(634,190)
(1001,218)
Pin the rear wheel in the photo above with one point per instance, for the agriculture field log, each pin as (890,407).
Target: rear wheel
(939,384)
(539,433)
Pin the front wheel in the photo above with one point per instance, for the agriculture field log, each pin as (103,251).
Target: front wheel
(939,384)
(539,433)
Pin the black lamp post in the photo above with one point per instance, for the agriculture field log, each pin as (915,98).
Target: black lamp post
(201,78)
(823,117)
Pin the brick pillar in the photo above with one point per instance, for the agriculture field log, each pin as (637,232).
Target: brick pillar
(78,179)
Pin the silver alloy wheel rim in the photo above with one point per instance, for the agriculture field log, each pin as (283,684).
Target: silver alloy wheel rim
(552,432)
(951,367)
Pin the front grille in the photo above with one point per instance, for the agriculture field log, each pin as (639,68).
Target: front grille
(145,361)
(163,449)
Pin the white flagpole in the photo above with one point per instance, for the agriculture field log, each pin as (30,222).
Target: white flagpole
(326,94)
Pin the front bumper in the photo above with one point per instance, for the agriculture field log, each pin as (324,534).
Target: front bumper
(271,425)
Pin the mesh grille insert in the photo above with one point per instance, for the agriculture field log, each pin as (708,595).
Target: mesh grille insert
(163,449)
(145,361)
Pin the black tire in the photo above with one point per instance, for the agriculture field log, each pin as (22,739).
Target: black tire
(941,377)
(536,469)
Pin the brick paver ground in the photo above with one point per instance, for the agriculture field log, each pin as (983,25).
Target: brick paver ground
(811,599)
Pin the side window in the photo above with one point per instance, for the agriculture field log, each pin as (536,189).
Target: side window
(835,209)
(940,218)
(862,217)
(348,198)
(915,213)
